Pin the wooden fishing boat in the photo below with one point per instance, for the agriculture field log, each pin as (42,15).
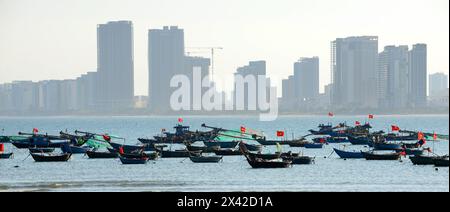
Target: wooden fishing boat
(257,163)
(27,144)
(205,159)
(227,152)
(297,159)
(422,159)
(396,137)
(264,156)
(41,150)
(348,155)
(331,140)
(265,142)
(133,161)
(442,161)
(101,155)
(182,153)
(6,155)
(385,156)
(74,149)
(203,149)
(254,148)
(297,143)
(313,146)
(48,157)
(415,151)
(150,156)
(129,148)
(221,144)
(359,140)
(387,146)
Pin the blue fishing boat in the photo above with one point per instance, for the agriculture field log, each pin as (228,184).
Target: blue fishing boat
(313,146)
(348,155)
(129,148)
(133,161)
(221,144)
(387,146)
(67,148)
(360,140)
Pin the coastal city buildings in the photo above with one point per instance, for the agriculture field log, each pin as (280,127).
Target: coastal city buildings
(362,78)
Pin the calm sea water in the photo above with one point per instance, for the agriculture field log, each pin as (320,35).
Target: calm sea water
(233,174)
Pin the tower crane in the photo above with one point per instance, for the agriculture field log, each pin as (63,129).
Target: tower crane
(212,49)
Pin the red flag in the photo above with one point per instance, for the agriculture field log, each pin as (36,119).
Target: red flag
(371,116)
(121,151)
(395,128)
(357,123)
(35,130)
(2,147)
(330,114)
(180,120)
(403,153)
(280,133)
(106,138)
(435,136)
(243,129)
(420,136)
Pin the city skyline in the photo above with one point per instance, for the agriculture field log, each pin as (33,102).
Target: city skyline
(279,41)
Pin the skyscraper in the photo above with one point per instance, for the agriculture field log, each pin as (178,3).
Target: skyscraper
(165,59)
(418,75)
(354,65)
(306,76)
(255,69)
(393,77)
(438,83)
(115,64)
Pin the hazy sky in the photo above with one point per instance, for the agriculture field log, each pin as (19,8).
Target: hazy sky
(56,39)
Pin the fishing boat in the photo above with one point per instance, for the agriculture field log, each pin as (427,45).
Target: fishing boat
(414,151)
(387,146)
(313,145)
(182,153)
(359,140)
(205,159)
(422,159)
(203,149)
(253,148)
(441,161)
(227,152)
(129,148)
(331,140)
(265,142)
(41,150)
(385,156)
(264,156)
(297,159)
(6,155)
(221,144)
(259,163)
(402,136)
(67,148)
(348,155)
(297,143)
(48,157)
(183,134)
(101,155)
(133,161)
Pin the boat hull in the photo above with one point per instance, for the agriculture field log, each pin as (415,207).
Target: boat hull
(371,156)
(441,162)
(221,144)
(102,155)
(348,155)
(133,161)
(358,140)
(206,159)
(51,158)
(6,155)
(422,160)
(74,149)
(387,146)
(313,146)
(227,152)
(41,150)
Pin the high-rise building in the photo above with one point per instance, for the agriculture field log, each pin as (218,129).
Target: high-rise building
(201,64)
(165,59)
(438,83)
(254,69)
(86,85)
(354,65)
(393,77)
(418,75)
(115,64)
(306,76)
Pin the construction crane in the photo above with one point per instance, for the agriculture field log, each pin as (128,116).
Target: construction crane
(212,49)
